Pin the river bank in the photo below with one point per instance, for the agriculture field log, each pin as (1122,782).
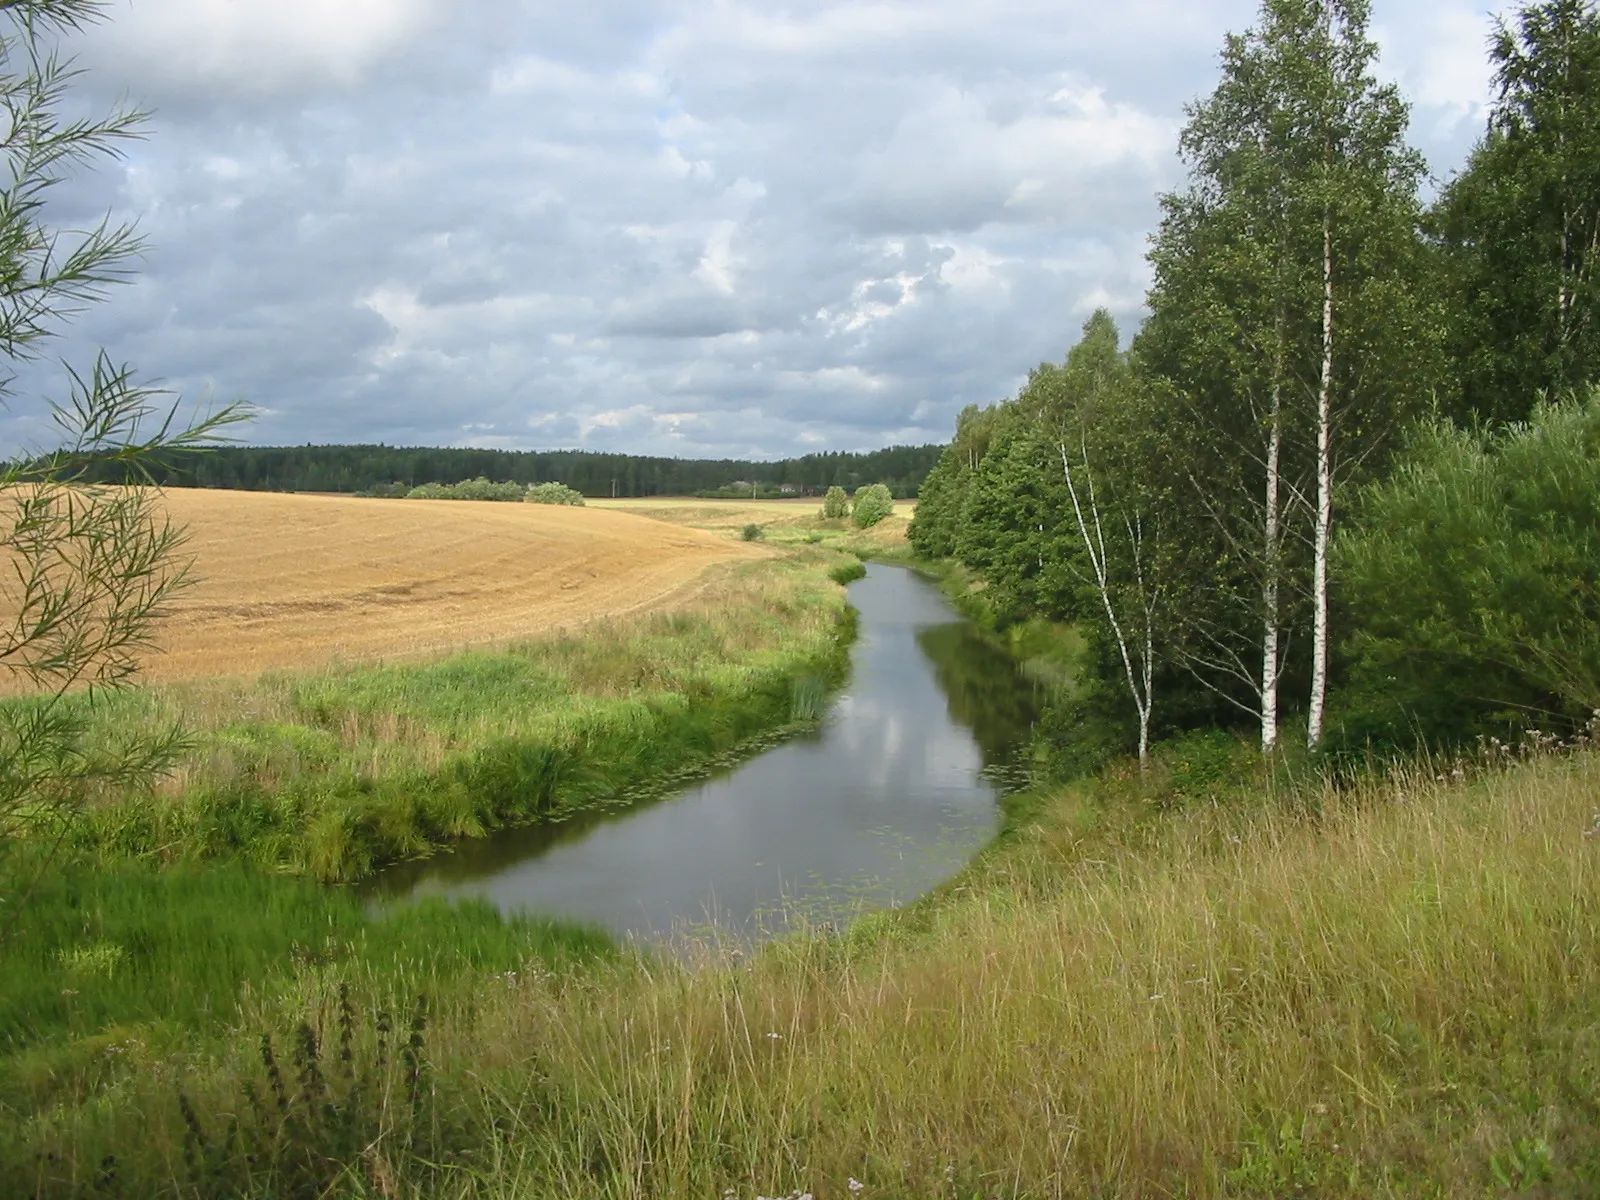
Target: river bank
(1204,980)
(335,773)
(890,794)
(1385,990)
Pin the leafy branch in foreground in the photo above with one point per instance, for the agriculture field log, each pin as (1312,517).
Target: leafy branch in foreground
(85,568)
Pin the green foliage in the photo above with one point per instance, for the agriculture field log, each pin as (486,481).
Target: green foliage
(1302,194)
(752,532)
(936,524)
(870,505)
(469,489)
(553,493)
(848,571)
(1011,529)
(394,470)
(89,569)
(1474,573)
(1518,225)
(836,504)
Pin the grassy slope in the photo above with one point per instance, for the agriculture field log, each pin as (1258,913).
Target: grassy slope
(1393,991)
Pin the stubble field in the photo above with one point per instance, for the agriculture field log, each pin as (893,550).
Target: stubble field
(297,581)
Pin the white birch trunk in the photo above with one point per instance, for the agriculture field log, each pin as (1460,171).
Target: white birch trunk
(1271,633)
(1141,681)
(1319,628)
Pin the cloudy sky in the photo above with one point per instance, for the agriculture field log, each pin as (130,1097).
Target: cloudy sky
(692,227)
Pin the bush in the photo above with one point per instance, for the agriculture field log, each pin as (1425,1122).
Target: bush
(752,532)
(835,505)
(848,572)
(872,504)
(467,489)
(1473,576)
(554,493)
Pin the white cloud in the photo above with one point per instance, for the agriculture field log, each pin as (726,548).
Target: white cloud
(253,46)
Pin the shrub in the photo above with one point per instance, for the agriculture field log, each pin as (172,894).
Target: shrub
(872,504)
(752,532)
(1473,574)
(848,572)
(554,493)
(835,505)
(467,489)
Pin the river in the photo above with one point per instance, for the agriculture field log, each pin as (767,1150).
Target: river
(896,790)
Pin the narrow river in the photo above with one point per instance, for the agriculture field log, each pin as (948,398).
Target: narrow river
(892,795)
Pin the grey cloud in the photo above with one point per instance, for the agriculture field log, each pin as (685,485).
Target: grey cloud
(748,228)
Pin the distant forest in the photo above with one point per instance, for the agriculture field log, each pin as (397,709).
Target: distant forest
(378,468)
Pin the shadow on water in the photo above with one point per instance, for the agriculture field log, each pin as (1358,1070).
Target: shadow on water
(987,694)
(891,796)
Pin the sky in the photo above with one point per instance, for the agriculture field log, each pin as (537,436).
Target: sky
(720,228)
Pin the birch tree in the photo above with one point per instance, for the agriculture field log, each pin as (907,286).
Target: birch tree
(1120,553)
(1228,284)
(1378,321)
(1290,323)
(1089,405)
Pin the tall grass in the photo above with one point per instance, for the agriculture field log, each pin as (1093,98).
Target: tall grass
(336,773)
(1392,990)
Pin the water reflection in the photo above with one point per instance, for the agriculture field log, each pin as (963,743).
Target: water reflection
(893,795)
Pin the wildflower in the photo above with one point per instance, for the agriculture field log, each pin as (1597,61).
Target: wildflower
(777,1037)
(855,1184)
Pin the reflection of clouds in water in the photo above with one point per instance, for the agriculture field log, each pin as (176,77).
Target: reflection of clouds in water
(885,803)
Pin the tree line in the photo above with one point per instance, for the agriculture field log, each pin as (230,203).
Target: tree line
(1343,481)
(396,470)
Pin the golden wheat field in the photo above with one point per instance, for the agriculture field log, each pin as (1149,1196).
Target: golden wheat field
(288,581)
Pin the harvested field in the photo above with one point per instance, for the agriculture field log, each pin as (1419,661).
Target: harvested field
(291,581)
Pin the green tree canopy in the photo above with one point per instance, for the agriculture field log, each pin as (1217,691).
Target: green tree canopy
(1520,226)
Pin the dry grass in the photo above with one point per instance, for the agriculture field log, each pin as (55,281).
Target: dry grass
(297,581)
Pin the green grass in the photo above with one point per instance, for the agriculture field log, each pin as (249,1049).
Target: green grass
(1185,989)
(337,773)
(132,945)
